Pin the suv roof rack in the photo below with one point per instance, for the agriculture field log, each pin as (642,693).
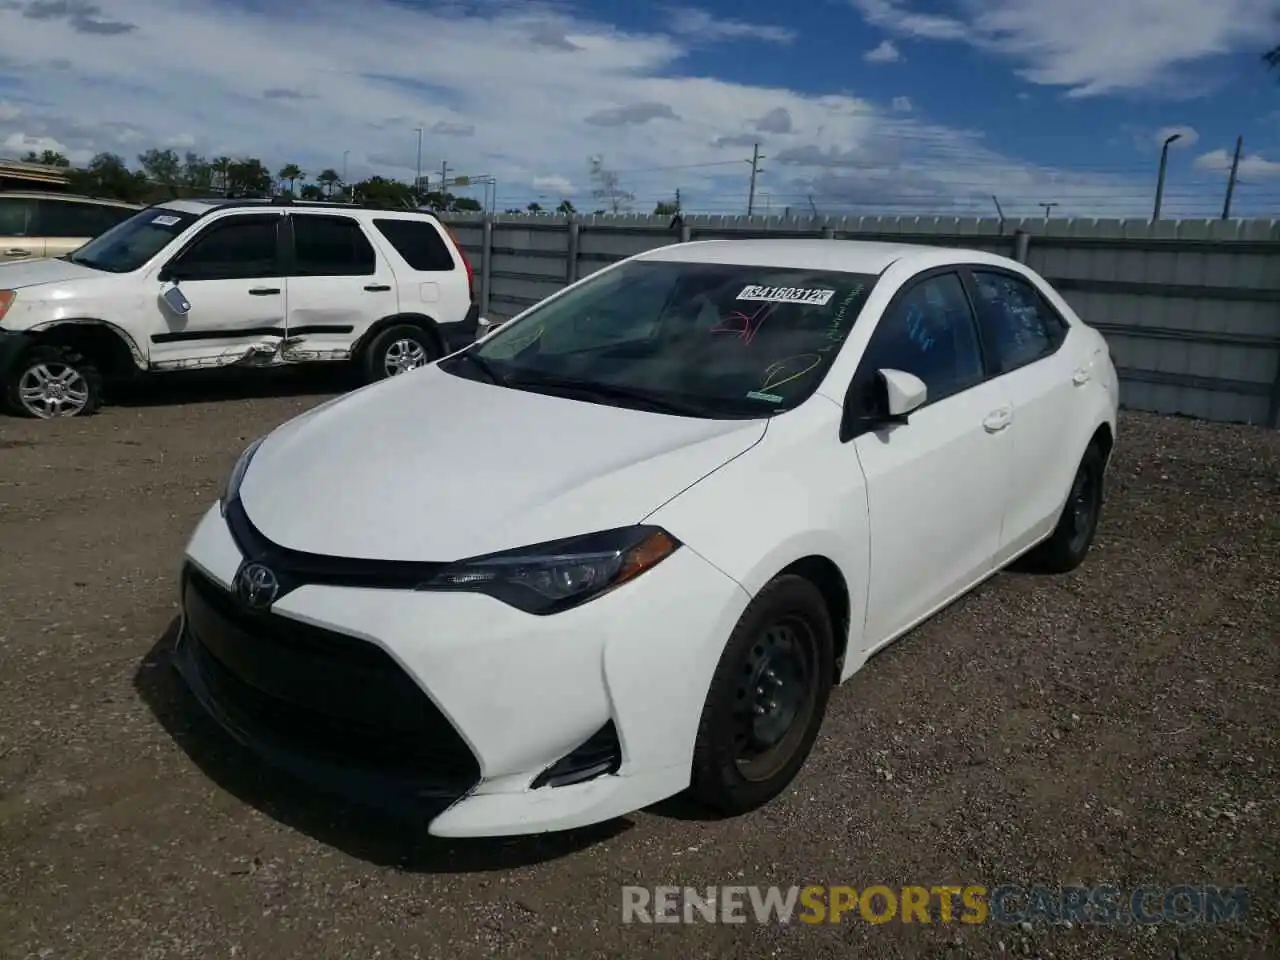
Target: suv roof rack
(286,201)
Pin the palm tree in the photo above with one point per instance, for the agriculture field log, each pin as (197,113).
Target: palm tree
(221,167)
(534,207)
(329,179)
(565,207)
(292,173)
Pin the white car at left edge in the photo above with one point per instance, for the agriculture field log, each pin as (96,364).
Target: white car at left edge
(625,545)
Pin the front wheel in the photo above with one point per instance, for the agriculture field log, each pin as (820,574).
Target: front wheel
(767,699)
(398,350)
(52,382)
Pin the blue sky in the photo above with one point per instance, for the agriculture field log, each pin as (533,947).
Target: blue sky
(860,106)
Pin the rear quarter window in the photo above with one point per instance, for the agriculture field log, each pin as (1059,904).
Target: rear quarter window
(419,242)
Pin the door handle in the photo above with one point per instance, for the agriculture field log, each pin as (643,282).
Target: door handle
(1081,377)
(263,291)
(17,253)
(377,288)
(997,420)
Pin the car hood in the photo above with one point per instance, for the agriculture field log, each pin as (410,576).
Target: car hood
(430,466)
(29,273)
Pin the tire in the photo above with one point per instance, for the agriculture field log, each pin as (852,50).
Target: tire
(70,385)
(730,774)
(411,343)
(1071,539)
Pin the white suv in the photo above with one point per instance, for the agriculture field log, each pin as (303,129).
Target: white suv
(191,284)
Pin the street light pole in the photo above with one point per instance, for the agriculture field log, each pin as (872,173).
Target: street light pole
(345,186)
(417,182)
(1164,164)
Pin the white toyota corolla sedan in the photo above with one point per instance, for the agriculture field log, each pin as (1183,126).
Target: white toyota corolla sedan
(625,545)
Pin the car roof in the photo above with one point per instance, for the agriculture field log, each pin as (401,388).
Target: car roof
(56,195)
(848,256)
(202,205)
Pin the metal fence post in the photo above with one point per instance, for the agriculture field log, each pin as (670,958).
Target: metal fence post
(486,264)
(1021,245)
(686,232)
(828,232)
(571,255)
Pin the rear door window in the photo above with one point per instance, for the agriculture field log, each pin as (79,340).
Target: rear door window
(418,242)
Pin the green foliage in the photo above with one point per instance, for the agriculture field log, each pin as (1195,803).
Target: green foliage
(50,158)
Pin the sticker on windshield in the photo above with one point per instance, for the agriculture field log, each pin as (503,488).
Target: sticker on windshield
(809,296)
(166,221)
(771,397)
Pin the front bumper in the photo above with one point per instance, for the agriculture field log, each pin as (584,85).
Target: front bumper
(456,702)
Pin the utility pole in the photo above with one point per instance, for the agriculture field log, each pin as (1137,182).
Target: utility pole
(677,200)
(1047,207)
(1164,165)
(417,182)
(1231,180)
(444,175)
(755,169)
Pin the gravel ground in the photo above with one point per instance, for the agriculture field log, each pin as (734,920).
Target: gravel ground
(1116,725)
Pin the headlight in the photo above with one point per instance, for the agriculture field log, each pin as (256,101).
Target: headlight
(551,577)
(237,474)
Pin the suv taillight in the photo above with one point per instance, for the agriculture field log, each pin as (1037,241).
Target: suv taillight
(466,262)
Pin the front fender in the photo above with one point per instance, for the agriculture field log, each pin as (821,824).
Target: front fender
(797,493)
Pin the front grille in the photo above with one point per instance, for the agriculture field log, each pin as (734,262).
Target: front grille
(324,695)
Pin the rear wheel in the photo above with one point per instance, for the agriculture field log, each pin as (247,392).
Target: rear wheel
(51,382)
(767,699)
(398,350)
(1071,539)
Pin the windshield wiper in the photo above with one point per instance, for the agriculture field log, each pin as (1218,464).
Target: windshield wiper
(606,391)
(483,365)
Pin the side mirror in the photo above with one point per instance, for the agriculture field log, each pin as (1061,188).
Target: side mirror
(176,300)
(886,400)
(903,392)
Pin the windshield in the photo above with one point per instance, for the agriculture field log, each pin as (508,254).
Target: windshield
(131,243)
(703,339)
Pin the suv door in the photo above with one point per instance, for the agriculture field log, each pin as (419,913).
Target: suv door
(936,484)
(232,274)
(1024,335)
(67,225)
(337,285)
(16,241)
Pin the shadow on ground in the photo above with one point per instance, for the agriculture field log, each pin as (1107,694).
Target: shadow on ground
(368,835)
(212,386)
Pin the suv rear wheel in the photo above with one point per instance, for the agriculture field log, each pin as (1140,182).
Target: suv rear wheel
(50,382)
(398,350)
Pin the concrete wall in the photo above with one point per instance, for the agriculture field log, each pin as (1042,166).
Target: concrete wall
(1191,307)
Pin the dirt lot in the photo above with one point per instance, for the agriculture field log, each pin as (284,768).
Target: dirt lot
(1117,725)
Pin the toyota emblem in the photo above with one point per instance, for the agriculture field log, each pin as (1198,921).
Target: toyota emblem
(256,586)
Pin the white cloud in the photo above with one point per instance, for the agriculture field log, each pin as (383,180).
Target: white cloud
(556,185)
(513,90)
(1187,136)
(695,24)
(1251,164)
(886,52)
(902,104)
(1091,48)
(9,111)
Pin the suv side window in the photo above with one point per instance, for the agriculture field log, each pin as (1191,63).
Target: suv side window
(14,216)
(331,247)
(240,247)
(72,219)
(929,331)
(1019,326)
(418,242)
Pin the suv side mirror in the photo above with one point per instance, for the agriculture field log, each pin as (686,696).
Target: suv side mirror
(887,400)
